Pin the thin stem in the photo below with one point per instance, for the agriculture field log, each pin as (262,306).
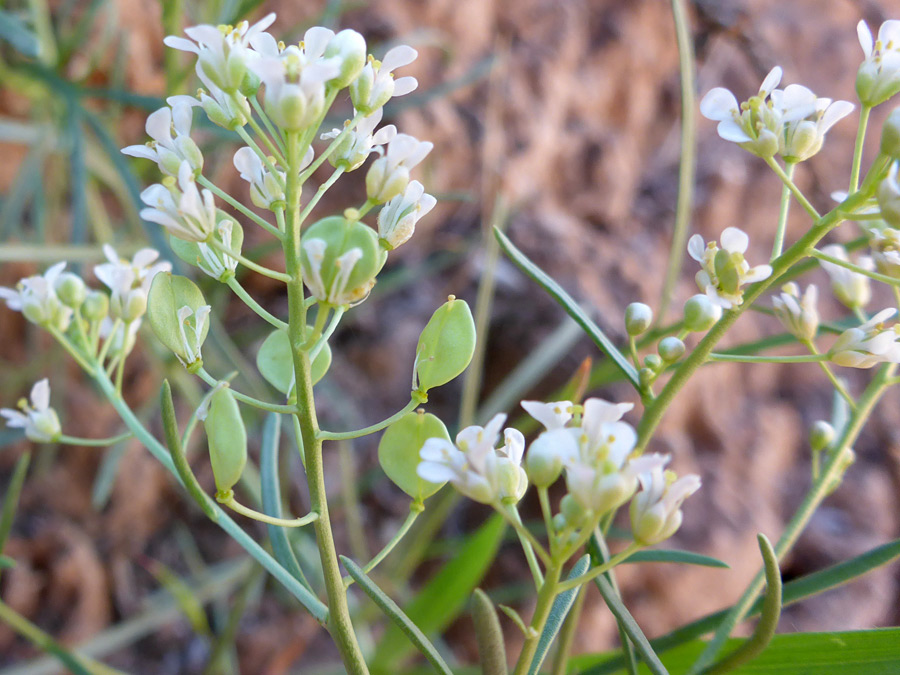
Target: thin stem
(123,354)
(328,332)
(741,358)
(569,584)
(322,312)
(323,188)
(783,211)
(246,262)
(94,442)
(512,517)
(263,156)
(241,292)
(547,512)
(816,253)
(804,202)
(234,203)
(529,545)
(69,347)
(249,400)
(632,348)
(228,500)
(547,593)
(276,133)
(414,510)
(327,152)
(835,382)
(276,151)
(858,148)
(323,435)
(107,342)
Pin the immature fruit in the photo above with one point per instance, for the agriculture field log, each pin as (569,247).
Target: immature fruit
(446,345)
(398,452)
(275,361)
(227,439)
(168,294)
(340,260)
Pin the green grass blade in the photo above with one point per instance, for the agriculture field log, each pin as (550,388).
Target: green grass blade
(17,34)
(393,611)
(567,303)
(444,596)
(558,612)
(11,500)
(675,556)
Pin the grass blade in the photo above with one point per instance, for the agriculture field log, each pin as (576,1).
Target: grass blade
(16,33)
(675,556)
(11,500)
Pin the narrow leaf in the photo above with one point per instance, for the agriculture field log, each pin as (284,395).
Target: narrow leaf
(11,500)
(393,611)
(183,594)
(489,634)
(567,303)
(16,33)
(561,606)
(675,556)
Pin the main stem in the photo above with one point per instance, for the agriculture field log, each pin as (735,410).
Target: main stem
(545,599)
(339,624)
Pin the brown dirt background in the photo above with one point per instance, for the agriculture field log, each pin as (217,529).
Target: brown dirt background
(577,128)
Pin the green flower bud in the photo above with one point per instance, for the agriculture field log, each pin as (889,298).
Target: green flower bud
(340,260)
(178,315)
(398,452)
(890,135)
(646,376)
(227,439)
(250,84)
(559,522)
(670,349)
(544,460)
(888,196)
(71,290)
(572,511)
(653,362)
(821,435)
(638,318)
(701,314)
(96,306)
(276,364)
(350,47)
(446,345)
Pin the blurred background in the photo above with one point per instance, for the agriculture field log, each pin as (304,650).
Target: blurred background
(557,120)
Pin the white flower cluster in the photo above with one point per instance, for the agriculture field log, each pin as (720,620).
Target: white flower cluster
(725,270)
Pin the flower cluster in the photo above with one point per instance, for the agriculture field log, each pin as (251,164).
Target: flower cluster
(725,270)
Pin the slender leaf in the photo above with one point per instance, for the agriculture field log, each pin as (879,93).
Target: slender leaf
(393,611)
(489,634)
(11,500)
(567,303)
(675,556)
(445,595)
(184,594)
(561,606)
(17,34)
(75,663)
(271,498)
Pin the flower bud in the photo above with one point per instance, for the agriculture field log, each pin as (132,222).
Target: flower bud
(572,511)
(653,362)
(275,361)
(70,289)
(179,317)
(446,345)
(638,318)
(96,306)
(398,452)
(888,196)
(544,460)
(646,376)
(821,435)
(134,306)
(559,521)
(227,438)
(383,182)
(350,47)
(701,314)
(670,349)
(890,135)
(340,260)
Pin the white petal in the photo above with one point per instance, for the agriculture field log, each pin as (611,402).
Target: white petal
(159,124)
(835,112)
(732,131)
(718,104)
(865,38)
(405,85)
(434,472)
(141,151)
(181,43)
(14,419)
(696,247)
(316,40)
(734,240)
(515,445)
(771,81)
(40,394)
(397,57)
(757,273)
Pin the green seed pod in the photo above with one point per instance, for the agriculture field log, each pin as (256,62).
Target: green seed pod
(275,362)
(227,439)
(670,349)
(446,345)
(340,260)
(178,315)
(726,267)
(638,318)
(398,452)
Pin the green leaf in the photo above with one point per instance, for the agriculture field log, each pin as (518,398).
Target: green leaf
(567,303)
(11,500)
(17,34)
(868,652)
(489,634)
(445,595)
(393,611)
(561,606)
(674,556)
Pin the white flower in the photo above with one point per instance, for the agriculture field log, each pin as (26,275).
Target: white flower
(336,293)
(806,120)
(166,149)
(360,142)
(223,52)
(554,415)
(868,344)
(656,509)
(192,325)
(389,175)
(755,125)
(725,270)
(214,262)
(266,190)
(397,220)
(182,211)
(885,243)
(878,77)
(129,280)
(798,315)
(376,84)
(36,298)
(120,336)
(851,288)
(39,420)
(227,110)
(475,466)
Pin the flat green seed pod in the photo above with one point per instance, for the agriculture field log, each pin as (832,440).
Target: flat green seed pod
(446,344)
(325,278)
(227,438)
(398,452)
(275,361)
(169,293)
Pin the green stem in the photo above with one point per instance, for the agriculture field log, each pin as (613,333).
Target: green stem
(835,382)
(322,312)
(328,332)
(275,150)
(323,435)
(107,342)
(234,203)
(783,211)
(858,148)
(242,293)
(339,623)
(567,637)
(246,262)
(327,152)
(228,500)
(414,510)
(276,133)
(263,156)
(569,584)
(249,400)
(742,358)
(815,253)
(786,179)
(547,593)
(94,442)
(529,545)
(547,512)
(323,188)
(69,347)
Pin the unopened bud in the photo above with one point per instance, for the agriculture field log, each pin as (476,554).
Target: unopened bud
(96,306)
(821,435)
(572,512)
(701,314)
(890,135)
(638,318)
(71,290)
(646,377)
(544,460)
(653,362)
(671,349)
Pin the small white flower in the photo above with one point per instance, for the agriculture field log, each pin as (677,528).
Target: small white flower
(166,149)
(852,288)
(389,175)
(885,243)
(656,510)
(36,298)
(397,220)
(798,315)
(192,324)
(360,142)
(220,266)
(226,110)
(475,466)
(375,85)
(868,344)
(185,212)
(129,280)
(806,119)
(878,78)
(266,190)
(335,291)
(39,420)
(554,415)
(724,271)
